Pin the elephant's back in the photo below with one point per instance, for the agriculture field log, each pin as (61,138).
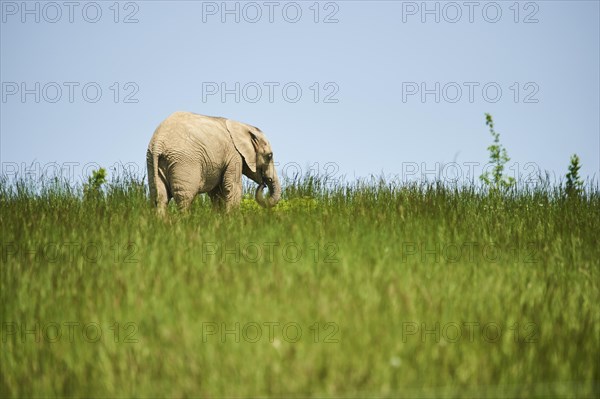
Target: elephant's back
(184,128)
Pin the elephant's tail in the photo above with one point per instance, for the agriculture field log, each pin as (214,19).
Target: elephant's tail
(153,179)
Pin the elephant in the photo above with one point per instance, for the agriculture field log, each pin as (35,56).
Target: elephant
(191,154)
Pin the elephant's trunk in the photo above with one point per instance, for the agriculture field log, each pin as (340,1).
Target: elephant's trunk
(274,193)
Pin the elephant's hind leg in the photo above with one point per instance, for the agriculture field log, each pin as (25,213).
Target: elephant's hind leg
(162,196)
(183,199)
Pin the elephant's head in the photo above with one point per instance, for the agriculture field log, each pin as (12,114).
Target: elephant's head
(257,154)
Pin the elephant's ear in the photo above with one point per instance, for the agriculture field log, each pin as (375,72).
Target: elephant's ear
(245,142)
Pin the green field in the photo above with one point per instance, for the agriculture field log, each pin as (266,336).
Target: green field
(365,289)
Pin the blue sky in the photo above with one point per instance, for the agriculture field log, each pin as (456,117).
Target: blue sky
(367,61)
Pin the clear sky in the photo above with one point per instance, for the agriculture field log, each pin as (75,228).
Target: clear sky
(352,88)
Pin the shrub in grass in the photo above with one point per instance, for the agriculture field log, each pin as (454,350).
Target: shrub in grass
(496,180)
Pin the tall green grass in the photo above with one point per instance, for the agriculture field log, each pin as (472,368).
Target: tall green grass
(378,276)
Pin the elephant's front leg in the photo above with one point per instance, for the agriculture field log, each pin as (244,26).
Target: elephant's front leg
(231,188)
